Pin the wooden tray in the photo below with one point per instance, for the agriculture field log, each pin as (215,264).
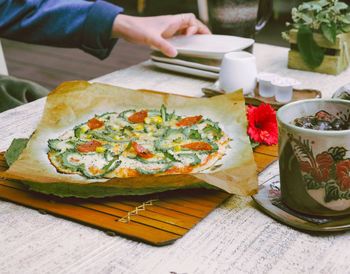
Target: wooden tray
(157,219)
(298,94)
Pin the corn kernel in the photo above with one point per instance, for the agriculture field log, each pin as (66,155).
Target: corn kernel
(177,148)
(147,120)
(137,134)
(151,128)
(139,127)
(100,149)
(84,129)
(157,119)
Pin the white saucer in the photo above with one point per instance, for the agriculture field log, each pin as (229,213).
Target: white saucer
(209,45)
(186,70)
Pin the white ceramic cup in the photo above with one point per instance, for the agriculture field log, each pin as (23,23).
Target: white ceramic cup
(238,71)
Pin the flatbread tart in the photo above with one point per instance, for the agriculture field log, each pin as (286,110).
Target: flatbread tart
(139,142)
(98,140)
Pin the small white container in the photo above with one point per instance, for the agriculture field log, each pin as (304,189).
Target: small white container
(283,88)
(238,71)
(266,88)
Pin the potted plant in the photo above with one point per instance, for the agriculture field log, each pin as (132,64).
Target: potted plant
(320,37)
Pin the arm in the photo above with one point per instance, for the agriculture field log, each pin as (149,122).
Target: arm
(62,23)
(153,31)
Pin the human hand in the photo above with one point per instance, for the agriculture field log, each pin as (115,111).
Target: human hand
(153,31)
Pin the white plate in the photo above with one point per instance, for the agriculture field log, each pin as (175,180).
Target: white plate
(186,63)
(186,70)
(209,45)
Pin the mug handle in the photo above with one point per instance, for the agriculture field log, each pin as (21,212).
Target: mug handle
(264,14)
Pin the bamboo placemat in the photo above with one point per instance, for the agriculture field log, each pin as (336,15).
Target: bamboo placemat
(157,219)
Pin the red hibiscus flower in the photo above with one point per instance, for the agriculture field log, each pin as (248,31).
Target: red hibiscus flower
(262,124)
(343,171)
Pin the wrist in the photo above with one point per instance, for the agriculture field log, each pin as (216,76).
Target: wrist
(120,25)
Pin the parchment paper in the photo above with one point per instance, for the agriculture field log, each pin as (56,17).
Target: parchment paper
(76,102)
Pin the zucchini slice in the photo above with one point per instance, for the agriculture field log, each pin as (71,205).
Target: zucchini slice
(88,174)
(102,136)
(175,134)
(188,159)
(109,155)
(163,145)
(125,114)
(150,161)
(60,145)
(71,160)
(159,169)
(80,130)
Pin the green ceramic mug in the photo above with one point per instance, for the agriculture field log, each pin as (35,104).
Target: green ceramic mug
(314,165)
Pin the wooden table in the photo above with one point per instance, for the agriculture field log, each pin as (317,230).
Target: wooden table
(235,238)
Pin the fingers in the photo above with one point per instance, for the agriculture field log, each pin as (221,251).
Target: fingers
(191,24)
(163,45)
(202,28)
(191,30)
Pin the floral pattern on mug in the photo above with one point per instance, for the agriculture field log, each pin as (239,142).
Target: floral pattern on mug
(329,169)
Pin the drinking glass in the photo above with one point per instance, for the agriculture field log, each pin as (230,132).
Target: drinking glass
(239,17)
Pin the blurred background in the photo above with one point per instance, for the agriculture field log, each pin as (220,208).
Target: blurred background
(50,66)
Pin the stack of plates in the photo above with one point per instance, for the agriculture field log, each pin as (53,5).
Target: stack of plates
(200,55)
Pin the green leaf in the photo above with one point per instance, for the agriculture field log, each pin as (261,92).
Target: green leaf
(311,53)
(323,3)
(307,19)
(346,19)
(329,31)
(346,28)
(15,149)
(340,6)
(254,144)
(314,5)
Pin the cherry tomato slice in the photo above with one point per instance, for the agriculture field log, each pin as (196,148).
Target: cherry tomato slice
(89,146)
(141,151)
(198,146)
(189,121)
(138,117)
(95,123)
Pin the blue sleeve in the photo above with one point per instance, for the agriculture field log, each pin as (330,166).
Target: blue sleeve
(62,23)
